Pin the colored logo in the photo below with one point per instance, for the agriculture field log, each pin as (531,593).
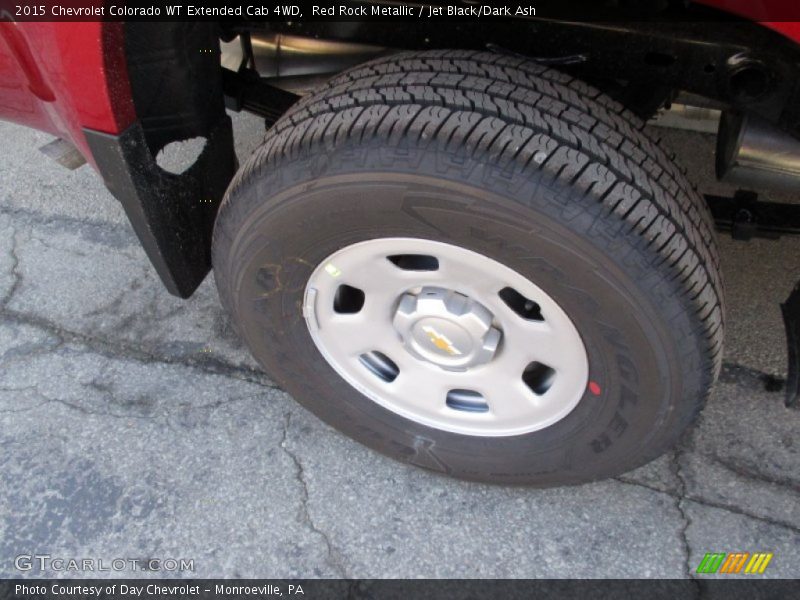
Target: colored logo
(735,563)
(440,341)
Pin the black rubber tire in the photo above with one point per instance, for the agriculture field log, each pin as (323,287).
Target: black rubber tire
(519,162)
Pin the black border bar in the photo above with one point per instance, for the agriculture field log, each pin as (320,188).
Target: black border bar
(395,11)
(732,588)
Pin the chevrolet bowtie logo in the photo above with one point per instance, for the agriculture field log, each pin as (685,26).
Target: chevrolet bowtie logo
(441,341)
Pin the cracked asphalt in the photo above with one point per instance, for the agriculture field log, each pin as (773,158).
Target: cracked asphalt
(136,425)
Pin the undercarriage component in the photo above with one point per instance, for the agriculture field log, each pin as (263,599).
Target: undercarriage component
(746,217)
(689,117)
(245,90)
(752,152)
(265,73)
(282,55)
(644,98)
(735,64)
(791,320)
(64,153)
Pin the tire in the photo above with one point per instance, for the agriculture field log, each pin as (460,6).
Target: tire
(517,163)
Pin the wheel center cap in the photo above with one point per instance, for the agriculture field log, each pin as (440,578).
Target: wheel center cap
(442,337)
(446,328)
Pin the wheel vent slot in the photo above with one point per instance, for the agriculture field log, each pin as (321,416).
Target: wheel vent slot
(380,365)
(415,262)
(538,377)
(348,299)
(467,401)
(524,307)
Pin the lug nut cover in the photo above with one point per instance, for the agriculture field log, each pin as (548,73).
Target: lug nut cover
(446,328)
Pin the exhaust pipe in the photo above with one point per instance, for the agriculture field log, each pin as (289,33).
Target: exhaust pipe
(277,55)
(754,154)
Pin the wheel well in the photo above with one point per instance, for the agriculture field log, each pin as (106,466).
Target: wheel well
(735,64)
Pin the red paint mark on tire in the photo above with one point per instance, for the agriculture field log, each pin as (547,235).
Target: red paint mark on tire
(594,388)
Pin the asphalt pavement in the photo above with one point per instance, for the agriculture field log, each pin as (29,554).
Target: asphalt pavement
(134,425)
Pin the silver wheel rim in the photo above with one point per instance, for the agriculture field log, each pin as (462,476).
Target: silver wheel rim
(430,331)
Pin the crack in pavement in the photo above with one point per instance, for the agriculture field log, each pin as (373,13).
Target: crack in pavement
(712,504)
(680,499)
(13,271)
(61,249)
(749,471)
(334,557)
(76,224)
(115,303)
(121,351)
(31,388)
(25,352)
(45,400)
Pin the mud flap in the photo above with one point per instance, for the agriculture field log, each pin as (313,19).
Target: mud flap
(791,320)
(176,89)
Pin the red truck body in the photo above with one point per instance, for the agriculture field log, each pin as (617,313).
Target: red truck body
(63,77)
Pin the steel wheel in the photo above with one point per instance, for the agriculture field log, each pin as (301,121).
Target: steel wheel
(446,337)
